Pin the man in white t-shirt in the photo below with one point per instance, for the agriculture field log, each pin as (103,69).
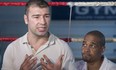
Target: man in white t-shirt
(25,53)
(93,48)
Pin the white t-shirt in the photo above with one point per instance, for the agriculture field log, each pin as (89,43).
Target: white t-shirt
(106,65)
(17,50)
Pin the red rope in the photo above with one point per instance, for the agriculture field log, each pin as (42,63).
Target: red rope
(57,3)
(12,3)
(8,39)
(24,3)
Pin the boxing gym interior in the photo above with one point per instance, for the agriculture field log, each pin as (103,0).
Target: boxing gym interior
(69,22)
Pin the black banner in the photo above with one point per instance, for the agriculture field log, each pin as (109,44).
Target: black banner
(85,12)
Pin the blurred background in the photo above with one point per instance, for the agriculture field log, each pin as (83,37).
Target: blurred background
(84,19)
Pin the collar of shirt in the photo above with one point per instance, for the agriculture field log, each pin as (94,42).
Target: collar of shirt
(102,67)
(104,64)
(50,42)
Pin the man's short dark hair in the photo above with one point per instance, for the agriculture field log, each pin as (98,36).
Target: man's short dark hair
(39,3)
(99,35)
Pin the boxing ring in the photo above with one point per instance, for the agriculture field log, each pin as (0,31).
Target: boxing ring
(68,39)
(70,4)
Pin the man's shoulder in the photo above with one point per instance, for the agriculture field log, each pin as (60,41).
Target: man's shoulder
(61,43)
(112,64)
(58,40)
(17,41)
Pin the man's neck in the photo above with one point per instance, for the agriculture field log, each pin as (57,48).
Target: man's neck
(37,41)
(94,65)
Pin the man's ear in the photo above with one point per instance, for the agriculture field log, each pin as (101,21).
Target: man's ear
(103,49)
(25,19)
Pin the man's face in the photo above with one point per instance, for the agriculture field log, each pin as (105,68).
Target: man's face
(91,49)
(38,20)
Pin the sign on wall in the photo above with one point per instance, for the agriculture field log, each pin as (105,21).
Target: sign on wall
(85,13)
